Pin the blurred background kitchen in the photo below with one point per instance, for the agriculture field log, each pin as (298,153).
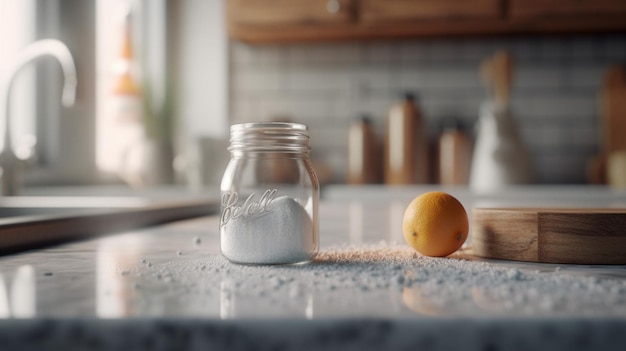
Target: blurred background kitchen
(159,83)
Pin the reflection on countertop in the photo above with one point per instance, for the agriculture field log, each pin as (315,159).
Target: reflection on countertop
(172,274)
(17,299)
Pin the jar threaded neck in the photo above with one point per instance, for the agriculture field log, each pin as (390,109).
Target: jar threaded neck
(269,137)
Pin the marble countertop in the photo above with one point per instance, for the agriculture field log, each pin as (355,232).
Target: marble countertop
(169,286)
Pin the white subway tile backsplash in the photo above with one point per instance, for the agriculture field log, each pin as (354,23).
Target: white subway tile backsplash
(369,80)
(586,136)
(274,109)
(258,55)
(329,137)
(584,50)
(444,51)
(379,53)
(310,107)
(567,166)
(585,76)
(543,136)
(550,50)
(326,53)
(375,106)
(257,80)
(472,51)
(492,45)
(524,51)
(244,111)
(614,49)
(297,108)
(331,80)
(554,97)
(553,106)
(456,77)
(413,51)
(337,163)
(241,54)
(445,107)
(408,79)
(271,56)
(533,77)
(343,107)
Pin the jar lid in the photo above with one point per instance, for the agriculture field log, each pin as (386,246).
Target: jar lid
(269,137)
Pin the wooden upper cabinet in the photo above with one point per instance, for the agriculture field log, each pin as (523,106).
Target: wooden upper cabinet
(566,8)
(567,16)
(272,13)
(274,21)
(371,11)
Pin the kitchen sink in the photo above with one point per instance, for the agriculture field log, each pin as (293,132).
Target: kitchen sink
(33,221)
(19,206)
(42,211)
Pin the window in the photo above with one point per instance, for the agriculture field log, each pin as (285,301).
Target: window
(71,143)
(18,30)
(61,134)
(131,37)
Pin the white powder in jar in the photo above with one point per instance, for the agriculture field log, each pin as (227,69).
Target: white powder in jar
(280,233)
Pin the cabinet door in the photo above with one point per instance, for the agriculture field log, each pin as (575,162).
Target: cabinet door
(565,8)
(422,10)
(271,13)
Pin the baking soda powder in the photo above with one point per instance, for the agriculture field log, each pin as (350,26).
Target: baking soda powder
(265,229)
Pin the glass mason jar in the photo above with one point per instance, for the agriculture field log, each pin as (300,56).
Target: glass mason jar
(269,196)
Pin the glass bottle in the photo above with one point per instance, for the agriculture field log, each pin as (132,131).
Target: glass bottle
(269,196)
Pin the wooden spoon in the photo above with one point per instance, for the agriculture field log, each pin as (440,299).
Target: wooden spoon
(614,109)
(486,74)
(502,76)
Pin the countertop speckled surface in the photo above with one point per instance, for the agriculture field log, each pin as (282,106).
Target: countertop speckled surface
(168,286)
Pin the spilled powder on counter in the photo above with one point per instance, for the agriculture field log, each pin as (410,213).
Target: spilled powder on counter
(378,272)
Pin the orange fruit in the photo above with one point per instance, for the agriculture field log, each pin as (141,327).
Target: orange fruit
(435,224)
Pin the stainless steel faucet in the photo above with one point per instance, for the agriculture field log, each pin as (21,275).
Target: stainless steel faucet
(10,164)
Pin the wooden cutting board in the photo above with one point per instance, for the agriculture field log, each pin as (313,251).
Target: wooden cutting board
(580,236)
